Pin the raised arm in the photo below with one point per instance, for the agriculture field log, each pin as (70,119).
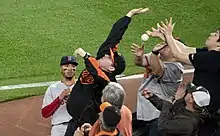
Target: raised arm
(157,33)
(155,100)
(155,62)
(118,31)
(92,66)
(167,30)
(140,59)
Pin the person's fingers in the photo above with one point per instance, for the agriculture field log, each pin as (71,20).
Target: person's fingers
(166,21)
(144,10)
(138,10)
(78,129)
(133,51)
(163,25)
(158,25)
(145,94)
(134,54)
(173,25)
(148,32)
(162,30)
(171,20)
(142,45)
(153,29)
(133,48)
(135,45)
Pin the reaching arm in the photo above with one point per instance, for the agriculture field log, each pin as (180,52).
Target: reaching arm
(118,31)
(156,101)
(143,61)
(92,65)
(184,48)
(115,35)
(140,59)
(178,54)
(156,65)
(167,30)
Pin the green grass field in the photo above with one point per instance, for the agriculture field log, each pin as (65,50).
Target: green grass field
(35,34)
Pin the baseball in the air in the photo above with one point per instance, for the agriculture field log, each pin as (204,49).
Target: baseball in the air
(144,37)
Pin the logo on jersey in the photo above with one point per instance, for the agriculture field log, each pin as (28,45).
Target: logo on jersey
(86,78)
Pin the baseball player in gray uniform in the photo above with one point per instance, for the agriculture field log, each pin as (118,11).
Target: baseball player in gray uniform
(54,102)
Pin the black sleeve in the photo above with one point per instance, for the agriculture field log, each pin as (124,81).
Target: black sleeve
(201,49)
(156,101)
(169,124)
(205,60)
(115,34)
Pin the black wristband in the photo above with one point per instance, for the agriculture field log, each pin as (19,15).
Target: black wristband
(155,52)
(86,56)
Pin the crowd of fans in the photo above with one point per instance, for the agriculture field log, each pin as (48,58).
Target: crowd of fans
(93,105)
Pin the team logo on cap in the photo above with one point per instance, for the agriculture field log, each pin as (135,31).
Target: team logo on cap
(69,58)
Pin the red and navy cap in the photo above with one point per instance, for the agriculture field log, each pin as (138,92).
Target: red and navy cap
(68,60)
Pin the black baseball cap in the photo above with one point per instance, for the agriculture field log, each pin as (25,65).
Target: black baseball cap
(111,116)
(68,60)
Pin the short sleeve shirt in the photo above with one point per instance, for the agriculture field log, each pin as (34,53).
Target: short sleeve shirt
(164,87)
(207,74)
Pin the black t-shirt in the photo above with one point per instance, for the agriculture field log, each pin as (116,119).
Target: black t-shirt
(207,74)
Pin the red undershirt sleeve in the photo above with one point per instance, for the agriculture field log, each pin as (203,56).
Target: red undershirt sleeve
(48,110)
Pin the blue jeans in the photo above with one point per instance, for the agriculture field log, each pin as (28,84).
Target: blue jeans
(153,128)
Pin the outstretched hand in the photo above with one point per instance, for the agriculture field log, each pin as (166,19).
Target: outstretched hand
(137,11)
(167,27)
(180,93)
(79,52)
(137,50)
(156,32)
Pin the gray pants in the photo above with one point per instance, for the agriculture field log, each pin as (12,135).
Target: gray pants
(58,130)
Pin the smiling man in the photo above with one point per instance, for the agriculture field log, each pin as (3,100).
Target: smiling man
(54,102)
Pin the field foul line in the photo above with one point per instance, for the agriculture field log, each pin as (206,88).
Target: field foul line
(41,84)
